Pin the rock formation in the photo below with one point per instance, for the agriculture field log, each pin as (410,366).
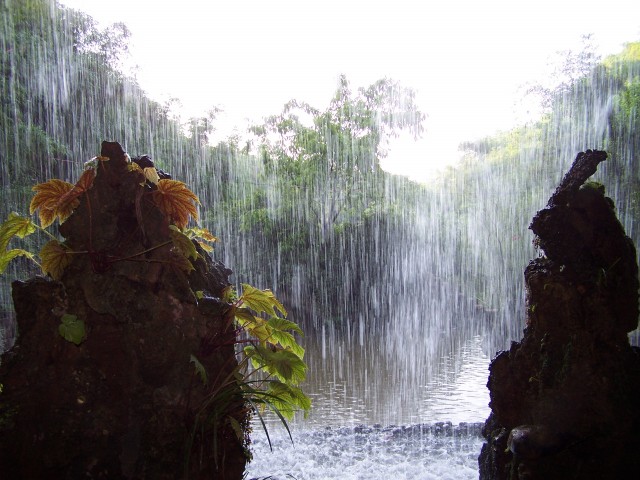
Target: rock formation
(565,400)
(127,402)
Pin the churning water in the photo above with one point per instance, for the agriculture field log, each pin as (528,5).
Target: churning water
(422,452)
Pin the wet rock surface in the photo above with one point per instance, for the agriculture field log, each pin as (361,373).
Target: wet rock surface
(123,403)
(565,400)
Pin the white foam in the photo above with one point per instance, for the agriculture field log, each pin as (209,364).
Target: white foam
(416,452)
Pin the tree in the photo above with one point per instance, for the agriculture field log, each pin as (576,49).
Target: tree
(331,158)
(571,67)
(315,201)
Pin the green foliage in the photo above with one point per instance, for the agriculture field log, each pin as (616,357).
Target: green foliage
(316,190)
(261,301)
(329,161)
(505,178)
(72,329)
(274,349)
(308,176)
(200,370)
(268,373)
(8,255)
(15,226)
(182,242)
(282,363)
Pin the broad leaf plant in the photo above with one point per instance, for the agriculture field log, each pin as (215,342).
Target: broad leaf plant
(270,363)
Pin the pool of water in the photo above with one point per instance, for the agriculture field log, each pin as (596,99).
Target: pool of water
(365,426)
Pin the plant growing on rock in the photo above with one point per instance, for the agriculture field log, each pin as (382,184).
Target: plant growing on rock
(57,199)
(266,371)
(269,370)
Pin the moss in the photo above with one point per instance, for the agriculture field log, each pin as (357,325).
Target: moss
(596,186)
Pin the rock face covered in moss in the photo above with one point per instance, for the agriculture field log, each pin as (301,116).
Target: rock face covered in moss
(565,400)
(125,402)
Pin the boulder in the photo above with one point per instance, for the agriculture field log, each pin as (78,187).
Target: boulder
(128,401)
(565,400)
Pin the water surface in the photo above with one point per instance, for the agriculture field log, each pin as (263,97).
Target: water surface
(362,426)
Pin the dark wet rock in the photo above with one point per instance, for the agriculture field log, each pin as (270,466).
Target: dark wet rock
(145,161)
(565,400)
(363,429)
(535,441)
(123,403)
(438,429)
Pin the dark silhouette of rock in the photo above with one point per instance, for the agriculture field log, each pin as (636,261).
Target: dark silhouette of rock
(565,400)
(126,401)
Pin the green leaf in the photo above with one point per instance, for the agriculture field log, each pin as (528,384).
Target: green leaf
(17,226)
(179,261)
(55,258)
(8,255)
(284,364)
(200,370)
(229,294)
(203,236)
(182,243)
(288,343)
(243,315)
(288,398)
(281,325)
(254,326)
(72,329)
(261,300)
(237,428)
(278,327)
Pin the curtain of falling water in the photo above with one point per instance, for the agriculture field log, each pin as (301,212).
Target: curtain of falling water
(411,283)
(450,265)
(61,96)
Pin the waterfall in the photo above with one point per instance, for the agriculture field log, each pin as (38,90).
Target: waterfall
(403,299)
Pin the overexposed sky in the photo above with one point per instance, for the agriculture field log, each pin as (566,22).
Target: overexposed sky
(465,58)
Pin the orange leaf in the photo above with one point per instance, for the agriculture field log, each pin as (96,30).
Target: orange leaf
(55,258)
(66,206)
(48,200)
(176,201)
(86,180)
(56,198)
(69,201)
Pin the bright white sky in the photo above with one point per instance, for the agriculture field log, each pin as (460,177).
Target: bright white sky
(465,58)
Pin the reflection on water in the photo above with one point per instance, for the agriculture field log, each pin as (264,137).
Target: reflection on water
(361,388)
(358,398)
(459,392)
